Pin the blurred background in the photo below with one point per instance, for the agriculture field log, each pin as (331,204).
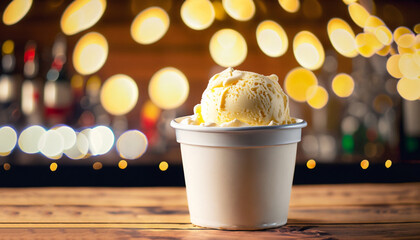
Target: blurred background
(88,88)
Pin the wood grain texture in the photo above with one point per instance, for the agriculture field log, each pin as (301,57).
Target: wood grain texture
(353,211)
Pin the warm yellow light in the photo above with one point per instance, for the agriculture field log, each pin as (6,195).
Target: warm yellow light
(51,144)
(399,31)
(53,167)
(81,15)
(383,34)
(308,50)
(317,97)
(409,89)
(384,51)
(417,28)
(408,66)
(358,14)
(150,25)
(15,11)
(8,47)
(29,138)
(343,85)
(77,82)
(168,88)
(311,164)
(392,66)
(342,37)
(80,149)
(367,44)
(241,10)
(197,14)
(290,6)
(132,144)
(122,164)
(272,38)
(228,48)
(364,164)
(347,2)
(97,166)
(150,111)
(416,57)
(403,51)
(219,11)
(6,166)
(388,163)
(90,53)
(406,40)
(297,82)
(163,166)
(119,94)
(8,139)
(372,22)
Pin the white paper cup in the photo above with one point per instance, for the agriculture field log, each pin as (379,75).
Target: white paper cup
(238,178)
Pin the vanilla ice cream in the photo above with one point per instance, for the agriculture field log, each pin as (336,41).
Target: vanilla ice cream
(240,98)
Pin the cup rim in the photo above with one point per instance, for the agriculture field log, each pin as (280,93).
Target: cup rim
(176,124)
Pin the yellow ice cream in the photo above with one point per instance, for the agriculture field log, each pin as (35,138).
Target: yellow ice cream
(241,98)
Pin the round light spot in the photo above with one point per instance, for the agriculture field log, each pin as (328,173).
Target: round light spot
(372,23)
(132,144)
(68,135)
(122,164)
(168,88)
(8,139)
(219,11)
(228,48)
(403,51)
(150,25)
(342,37)
(367,44)
(358,14)
(392,66)
(364,164)
(241,10)
(417,28)
(384,51)
(80,149)
(343,85)
(408,66)
(29,138)
(90,53)
(297,82)
(197,14)
(308,50)
(97,165)
(290,6)
(388,163)
(384,35)
(272,38)
(409,89)
(51,144)
(399,31)
(81,15)
(317,97)
(310,164)
(7,166)
(15,11)
(119,94)
(101,140)
(406,40)
(163,166)
(53,167)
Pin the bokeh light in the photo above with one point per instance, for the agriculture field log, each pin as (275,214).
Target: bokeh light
(272,38)
(290,6)
(90,53)
(409,89)
(408,67)
(119,94)
(51,144)
(312,9)
(122,164)
(8,139)
(406,40)
(367,44)
(81,15)
(310,164)
(163,166)
(132,144)
(384,35)
(241,10)
(219,11)
(97,165)
(228,48)
(7,166)
(15,11)
(399,31)
(297,82)
(29,138)
(392,66)
(358,14)
(317,97)
(197,14)
(364,164)
(80,148)
(101,139)
(168,88)
(150,25)
(69,136)
(417,28)
(342,37)
(308,50)
(388,163)
(342,85)
(53,167)
(372,22)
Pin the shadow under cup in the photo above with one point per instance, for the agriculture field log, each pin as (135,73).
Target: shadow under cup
(238,178)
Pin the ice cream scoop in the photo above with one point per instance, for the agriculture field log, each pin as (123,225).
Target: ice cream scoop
(240,98)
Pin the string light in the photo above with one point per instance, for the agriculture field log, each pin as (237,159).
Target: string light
(122,164)
(388,163)
(364,164)
(163,166)
(53,167)
(310,164)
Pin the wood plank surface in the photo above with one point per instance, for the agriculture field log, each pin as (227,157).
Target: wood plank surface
(352,211)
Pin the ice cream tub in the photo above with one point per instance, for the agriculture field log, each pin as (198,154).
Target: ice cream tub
(238,178)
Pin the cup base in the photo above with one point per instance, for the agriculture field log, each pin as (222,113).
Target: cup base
(236,228)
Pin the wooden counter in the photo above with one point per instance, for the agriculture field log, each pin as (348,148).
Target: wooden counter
(351,211)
